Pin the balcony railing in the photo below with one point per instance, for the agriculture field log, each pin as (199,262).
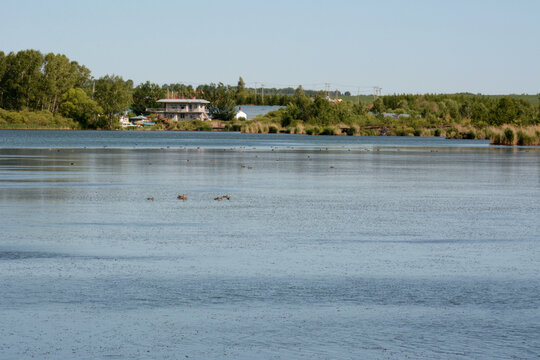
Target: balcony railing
(176,111)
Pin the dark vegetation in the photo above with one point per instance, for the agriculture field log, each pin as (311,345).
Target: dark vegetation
(39,91)
(460,116)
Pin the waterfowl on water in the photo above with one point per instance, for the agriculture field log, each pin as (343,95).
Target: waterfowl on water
(219,198)
(182,197)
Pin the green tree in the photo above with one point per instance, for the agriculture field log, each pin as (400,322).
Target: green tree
(241,85)
(378,106)
(222,102)
(20,83)
(300,107)
(241,92)
(113,94)
(77,105)
(145,96)
(59,75)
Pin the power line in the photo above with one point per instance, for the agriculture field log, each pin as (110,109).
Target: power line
(327,88)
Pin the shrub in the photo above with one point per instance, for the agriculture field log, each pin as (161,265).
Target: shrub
(509,136)
(524,138)
(452,133)
(272,129)
(469,135)
(327,131)
(204,126)
(496,139)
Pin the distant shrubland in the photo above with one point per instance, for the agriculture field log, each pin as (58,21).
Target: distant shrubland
(462,116)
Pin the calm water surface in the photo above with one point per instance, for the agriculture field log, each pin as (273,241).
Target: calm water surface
(377,248)
(254,110)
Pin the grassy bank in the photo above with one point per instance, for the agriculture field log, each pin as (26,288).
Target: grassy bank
(35,120)
(369,125)
(505,120)
(364,125)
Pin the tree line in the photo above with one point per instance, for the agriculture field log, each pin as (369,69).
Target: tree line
(52,83)
(437,109)
(478,109)
(32,81)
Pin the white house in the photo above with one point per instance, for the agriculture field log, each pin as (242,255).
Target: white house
(124,121)
(240,115)
(182,109)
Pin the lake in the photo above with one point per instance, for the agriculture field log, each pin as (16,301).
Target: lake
(254,110)
(329,247)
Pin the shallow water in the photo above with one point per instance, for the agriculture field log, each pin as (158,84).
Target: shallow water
(211,140)
(414,248)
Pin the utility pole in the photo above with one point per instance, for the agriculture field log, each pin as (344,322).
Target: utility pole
(262,92)
(358,95)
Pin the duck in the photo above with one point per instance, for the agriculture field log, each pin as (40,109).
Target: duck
(219,198)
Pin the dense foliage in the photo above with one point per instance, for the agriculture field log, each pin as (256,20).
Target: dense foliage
(413,110)
(35,120)
(480,110)
(32,81)
(454,116)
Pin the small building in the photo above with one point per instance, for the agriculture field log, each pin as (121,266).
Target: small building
(141,121)
(182,109)
(138,118)
(124,121)
(240,115)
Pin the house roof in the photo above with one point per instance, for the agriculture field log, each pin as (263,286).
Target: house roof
(184,101)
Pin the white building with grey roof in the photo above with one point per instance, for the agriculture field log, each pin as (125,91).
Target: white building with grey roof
(182,109)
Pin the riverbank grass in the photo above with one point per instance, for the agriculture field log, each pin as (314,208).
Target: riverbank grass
(35,120)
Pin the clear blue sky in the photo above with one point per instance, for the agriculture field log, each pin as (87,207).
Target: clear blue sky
(490,47)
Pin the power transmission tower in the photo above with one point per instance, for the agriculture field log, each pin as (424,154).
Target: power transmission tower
(327,89)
